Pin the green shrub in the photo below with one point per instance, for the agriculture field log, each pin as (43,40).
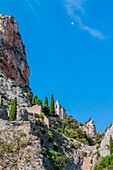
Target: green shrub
(97,147)
(58,160)
(105,162)
(50,136)
(69,134)
(63,127)
(82,140)
(78,145)
(84,154)
(5,147)
(53,126)
(80,133)
(71,145)
(5,106)
(59,130)
(41,116)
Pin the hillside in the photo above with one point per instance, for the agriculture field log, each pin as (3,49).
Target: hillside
(39,139)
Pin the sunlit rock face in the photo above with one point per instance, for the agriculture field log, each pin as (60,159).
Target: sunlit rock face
(12,53)
(14,70)
(90,128)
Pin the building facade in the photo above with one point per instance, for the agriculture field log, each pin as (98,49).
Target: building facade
(60,111)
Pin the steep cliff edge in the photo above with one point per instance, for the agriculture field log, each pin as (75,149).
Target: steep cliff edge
(13,61)
(14,70)
(30,144)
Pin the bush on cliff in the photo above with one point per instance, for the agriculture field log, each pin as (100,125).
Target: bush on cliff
(105,163)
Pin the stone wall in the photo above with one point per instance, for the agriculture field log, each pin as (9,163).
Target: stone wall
(34,109)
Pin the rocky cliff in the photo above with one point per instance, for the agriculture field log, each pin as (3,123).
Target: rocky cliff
(14,70)
(29,144)
(13,61)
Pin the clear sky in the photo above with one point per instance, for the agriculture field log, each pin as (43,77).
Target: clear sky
(69,46)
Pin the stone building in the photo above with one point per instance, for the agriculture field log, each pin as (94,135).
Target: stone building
(60,111)
(36,110)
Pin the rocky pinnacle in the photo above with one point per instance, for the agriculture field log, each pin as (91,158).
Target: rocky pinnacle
(13,61)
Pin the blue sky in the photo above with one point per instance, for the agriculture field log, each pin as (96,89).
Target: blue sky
(69,46)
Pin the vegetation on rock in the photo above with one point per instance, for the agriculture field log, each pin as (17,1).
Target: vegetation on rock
(36,101)
(13,110)
(105,163)
(111,145)
(58,160)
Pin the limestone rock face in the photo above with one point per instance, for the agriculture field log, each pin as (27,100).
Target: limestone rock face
(104,146)
(22,114)
(14,70)
(89,128)
(24,149)
(12,53)
(9,90)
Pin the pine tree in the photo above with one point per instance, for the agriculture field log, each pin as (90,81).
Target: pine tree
(52,110)
(13,110)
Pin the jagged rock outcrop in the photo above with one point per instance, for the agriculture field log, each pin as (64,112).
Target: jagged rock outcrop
(104,146)
(89,128)
(12,53)
(103,149)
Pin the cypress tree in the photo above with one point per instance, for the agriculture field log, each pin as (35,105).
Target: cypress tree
(39,102)
(46,107)
(33,101)
(36,101)
(46,102)
(30,96)
(13,110)
(111,145)
(52,110)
